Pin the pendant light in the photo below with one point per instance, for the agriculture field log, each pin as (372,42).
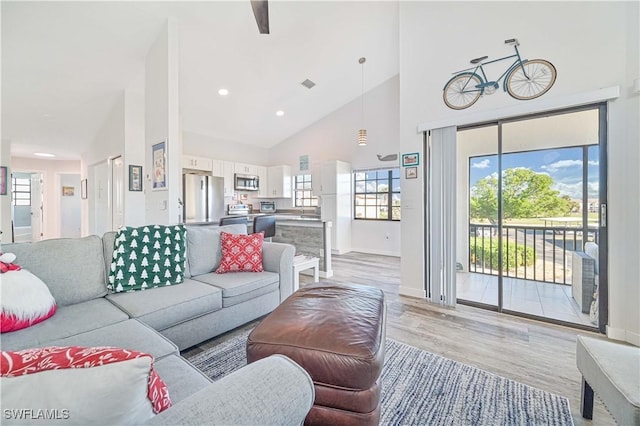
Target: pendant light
(362,133)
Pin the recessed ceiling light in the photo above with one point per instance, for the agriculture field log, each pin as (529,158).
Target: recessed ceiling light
(280,113)
(223,92)
(43,154)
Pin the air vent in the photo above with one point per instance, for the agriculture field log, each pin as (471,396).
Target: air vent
(308,84)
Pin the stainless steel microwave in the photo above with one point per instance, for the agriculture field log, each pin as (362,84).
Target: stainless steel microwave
(246,182)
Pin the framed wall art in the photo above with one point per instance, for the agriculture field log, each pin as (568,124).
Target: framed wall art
(3,180)
(412,159)
(159,161)
(135,178)
(68,191)
(411,173)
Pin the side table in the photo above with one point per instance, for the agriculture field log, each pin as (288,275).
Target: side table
(301,263)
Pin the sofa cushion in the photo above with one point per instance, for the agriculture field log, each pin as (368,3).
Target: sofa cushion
(100,385)
(237,288)
(241,253)
(147,257)
(26,300)
(130,334)
(80,277)
(203,246)
(68,321)
(181,377)
(164,307)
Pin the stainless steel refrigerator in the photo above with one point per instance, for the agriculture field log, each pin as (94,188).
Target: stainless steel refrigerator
(203,197)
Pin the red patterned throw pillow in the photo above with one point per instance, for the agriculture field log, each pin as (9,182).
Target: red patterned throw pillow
(241,253)
(99,385)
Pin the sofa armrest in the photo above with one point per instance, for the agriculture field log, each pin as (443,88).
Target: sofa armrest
(278,258)
(274,390)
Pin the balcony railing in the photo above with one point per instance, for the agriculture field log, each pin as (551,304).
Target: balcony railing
(538,253)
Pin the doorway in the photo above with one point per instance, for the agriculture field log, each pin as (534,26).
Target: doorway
(530,236)
(27,206)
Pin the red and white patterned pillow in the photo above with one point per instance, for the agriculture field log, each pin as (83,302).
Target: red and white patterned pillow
(241,253)
(102,385)
(26,301)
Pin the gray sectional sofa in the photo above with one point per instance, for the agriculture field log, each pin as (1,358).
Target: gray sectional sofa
(162,321)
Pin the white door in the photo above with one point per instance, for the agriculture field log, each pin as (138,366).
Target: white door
(117,193)
(98,195)
(36,206)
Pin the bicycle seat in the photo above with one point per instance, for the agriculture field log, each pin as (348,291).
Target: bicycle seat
(478,60)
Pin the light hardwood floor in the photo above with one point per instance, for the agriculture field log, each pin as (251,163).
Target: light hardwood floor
(531,352)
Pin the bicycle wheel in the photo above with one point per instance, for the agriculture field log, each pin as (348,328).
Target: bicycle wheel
(541,76)
(461,91)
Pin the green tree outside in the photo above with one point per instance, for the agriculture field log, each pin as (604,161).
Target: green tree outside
(525,194)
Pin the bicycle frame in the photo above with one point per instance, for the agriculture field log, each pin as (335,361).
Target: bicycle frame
(485,81)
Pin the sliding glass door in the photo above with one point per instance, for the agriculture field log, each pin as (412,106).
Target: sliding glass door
(529,234)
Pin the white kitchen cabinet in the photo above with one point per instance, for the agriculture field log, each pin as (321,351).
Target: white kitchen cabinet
(196,163)
(337,203)
(246,169)
(217,168)
(263,177)
(228,169)
(331,177)
(279,182)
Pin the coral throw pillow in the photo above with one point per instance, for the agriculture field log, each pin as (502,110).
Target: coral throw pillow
(241,253)
(99,385)
(26,300)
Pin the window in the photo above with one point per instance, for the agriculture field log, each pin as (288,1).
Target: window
(21,188)
(303,197)
(376,193)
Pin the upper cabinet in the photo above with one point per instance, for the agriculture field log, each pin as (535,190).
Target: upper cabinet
(246,169)
(228,170)
(279,182)
(331,177)
(217,168)
(196,163)
(263,178)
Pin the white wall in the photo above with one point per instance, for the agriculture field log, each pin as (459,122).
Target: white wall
(334,137)
(162,123)
(598,50)
(52,189)
(70,206)
(134,154)
(220,149)
(5,200)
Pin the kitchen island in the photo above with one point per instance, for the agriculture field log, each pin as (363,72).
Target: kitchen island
(311,236)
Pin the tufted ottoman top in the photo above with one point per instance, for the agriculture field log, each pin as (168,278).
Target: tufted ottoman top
(335,332)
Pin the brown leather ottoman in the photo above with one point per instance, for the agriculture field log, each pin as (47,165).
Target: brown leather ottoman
(336,333)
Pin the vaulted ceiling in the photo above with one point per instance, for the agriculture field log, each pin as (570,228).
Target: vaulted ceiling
(65,65)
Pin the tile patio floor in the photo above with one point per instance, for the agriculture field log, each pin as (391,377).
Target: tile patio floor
(532,297)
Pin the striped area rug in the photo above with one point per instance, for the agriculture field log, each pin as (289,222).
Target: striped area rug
(420,388)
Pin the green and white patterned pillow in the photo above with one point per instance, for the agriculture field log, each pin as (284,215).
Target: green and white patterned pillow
(147,257)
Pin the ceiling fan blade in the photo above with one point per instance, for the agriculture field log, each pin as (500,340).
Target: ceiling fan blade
(261,12)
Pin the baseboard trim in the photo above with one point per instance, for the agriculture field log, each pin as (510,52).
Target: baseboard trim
(623,335)
(379,252)
(413,292)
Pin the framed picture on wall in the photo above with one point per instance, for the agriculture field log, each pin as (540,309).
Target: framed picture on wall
(135,178)
(83,189)
(159,162)
(411,173)
(68,191)
(3,180)
(412,159)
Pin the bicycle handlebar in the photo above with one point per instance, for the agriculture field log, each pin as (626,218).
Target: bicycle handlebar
(512,41)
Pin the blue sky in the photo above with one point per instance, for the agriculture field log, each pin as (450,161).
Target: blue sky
(564,165)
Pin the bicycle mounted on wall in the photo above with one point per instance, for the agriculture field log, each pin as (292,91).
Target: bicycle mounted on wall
(524,79)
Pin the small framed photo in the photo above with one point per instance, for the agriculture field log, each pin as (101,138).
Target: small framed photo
(412,159)
(3,180)
(135,178)
(159,162)
(68,191)
(83,189)
(411,173)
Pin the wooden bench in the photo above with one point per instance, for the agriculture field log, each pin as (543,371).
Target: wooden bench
(612,371)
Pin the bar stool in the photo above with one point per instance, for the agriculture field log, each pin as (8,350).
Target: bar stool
(231,220)
(265,223)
